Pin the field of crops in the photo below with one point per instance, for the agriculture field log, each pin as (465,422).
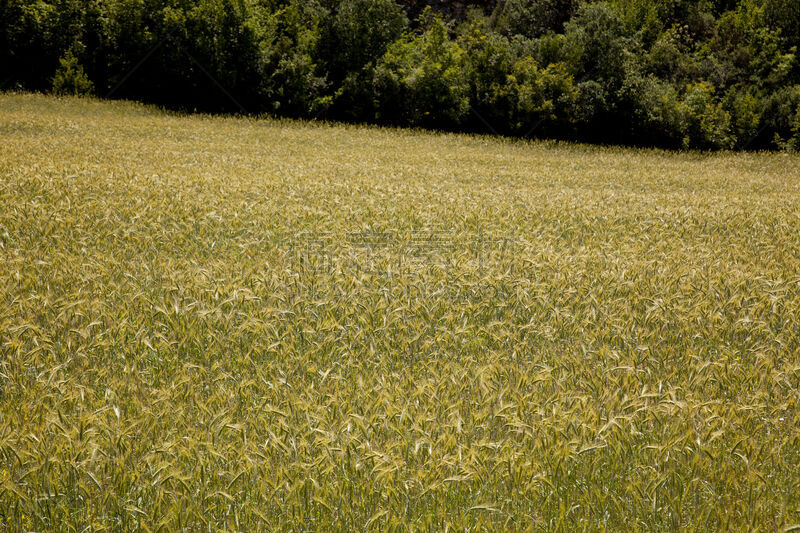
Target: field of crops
(235,324)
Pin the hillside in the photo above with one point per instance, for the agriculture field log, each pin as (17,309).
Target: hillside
(252,325)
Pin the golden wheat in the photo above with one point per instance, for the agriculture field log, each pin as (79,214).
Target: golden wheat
(236,324)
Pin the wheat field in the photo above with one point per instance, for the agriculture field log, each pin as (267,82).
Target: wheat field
(231,324)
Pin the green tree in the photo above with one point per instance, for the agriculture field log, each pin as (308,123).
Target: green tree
(351,43)
(709,123)
(598,35)
(420,80)
(489,62)
(545,98)
(291,83)
(70,77)
(533,18)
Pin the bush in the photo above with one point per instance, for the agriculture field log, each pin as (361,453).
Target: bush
(551,48)
(421,80)
(291,81)
(660,117)
(533,18)
(489,60)
(34,37)
(781,119)
(708,123)
(745,51)
(745,109)
(590,102)
(295,88)
(784,15)
(352,42)
(597,34)
(511,91)
(794,140)
(359,33)
(671,58)
(70,79)
(545,98)
(642,17)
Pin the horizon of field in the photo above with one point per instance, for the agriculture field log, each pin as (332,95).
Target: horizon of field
(229,323)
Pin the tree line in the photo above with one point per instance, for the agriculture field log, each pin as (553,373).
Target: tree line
(704,74)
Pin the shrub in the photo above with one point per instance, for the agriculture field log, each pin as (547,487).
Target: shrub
(670,58)
(551,48)
(70,77)
(420,80)
(745,109)
(489,61)
(359,33)
(296,89)
(590,101)
(794,140)
(291,81)
(533,18)
(781,119)
(709,124)
(597,34)
(545,98)
(660,117)
(351,43)
(642,17)
(784,15)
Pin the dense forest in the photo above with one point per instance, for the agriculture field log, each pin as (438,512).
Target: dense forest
(701,74)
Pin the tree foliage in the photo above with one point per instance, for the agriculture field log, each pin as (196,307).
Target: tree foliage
(674,73)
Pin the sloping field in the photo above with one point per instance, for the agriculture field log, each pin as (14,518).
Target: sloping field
(230,324)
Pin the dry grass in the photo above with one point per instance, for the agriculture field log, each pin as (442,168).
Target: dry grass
(228,324)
